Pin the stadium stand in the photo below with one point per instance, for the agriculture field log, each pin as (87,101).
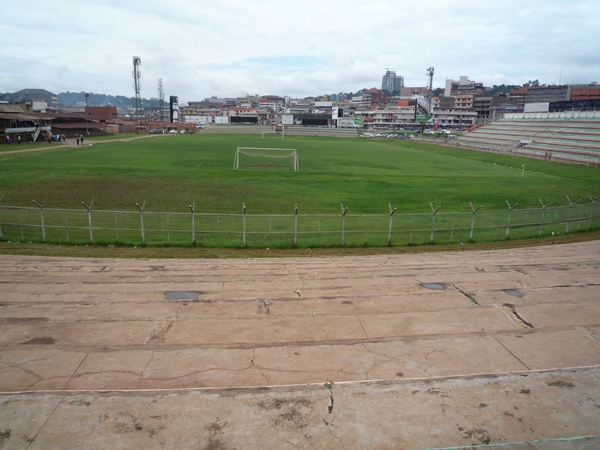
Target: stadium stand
(573,140)
(289,130)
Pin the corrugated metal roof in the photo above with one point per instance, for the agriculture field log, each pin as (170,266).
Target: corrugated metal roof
(22,116)
(13,109)
(76,126)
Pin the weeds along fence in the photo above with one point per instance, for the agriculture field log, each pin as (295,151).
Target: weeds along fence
(88,226)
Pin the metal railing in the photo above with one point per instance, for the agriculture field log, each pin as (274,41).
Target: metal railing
(141,227)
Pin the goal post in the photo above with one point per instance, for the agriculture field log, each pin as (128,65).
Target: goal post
(266,158)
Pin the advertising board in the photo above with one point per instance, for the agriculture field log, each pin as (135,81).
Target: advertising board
(350,122)
(174,108)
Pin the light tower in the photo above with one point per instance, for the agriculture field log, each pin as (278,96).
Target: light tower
(161,98)
(430,75)
(137,86)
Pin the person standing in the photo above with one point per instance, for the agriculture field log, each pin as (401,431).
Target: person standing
(19,139)
(81,139)
(77,138)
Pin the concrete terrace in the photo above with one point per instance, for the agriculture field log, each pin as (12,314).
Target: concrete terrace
(398,351)
(567,140)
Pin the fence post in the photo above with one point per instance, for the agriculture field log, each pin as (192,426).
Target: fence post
(543,213)
(21,224)
(42,215)
(141,208)
(473,220)
(392,211)
(244,223)
(570,209)
(116,227)
(344,211)
(66,225)
(510,208)
(434,211)
(1,236)
(192,207)
(296,226)
(89,209)
(593,200)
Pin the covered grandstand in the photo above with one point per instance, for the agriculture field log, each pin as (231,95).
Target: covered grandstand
(572,136)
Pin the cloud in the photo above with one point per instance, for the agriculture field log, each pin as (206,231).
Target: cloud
(295,48)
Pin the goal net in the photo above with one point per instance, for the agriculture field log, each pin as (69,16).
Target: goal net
(266,158)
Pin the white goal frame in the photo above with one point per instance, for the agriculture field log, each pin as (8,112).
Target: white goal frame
(278,153)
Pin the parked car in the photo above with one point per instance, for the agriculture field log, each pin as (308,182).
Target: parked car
(173,131)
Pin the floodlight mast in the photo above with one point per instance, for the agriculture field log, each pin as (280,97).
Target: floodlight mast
(87,132)
(137,86)
(161,98)
(430,72)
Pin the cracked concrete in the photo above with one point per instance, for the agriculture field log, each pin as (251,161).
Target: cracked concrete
(95,342)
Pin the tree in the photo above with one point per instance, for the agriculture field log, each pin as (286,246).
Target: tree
(500,89)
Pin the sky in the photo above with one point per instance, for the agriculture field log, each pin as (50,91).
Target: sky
(296,48)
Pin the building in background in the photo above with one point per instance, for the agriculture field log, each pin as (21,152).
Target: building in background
(392,82)
(585,91)
(35,95)
(463,86)
(420,91)
(554,93)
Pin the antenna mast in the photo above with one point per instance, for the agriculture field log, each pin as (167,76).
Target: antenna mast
(137,86)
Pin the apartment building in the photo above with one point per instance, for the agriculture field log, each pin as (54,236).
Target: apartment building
(387,118)
(414,91)
(463,86)
(554,93)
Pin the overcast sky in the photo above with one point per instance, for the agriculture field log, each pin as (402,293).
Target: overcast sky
(229,48)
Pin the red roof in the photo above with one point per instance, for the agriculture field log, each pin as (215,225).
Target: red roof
(77,126)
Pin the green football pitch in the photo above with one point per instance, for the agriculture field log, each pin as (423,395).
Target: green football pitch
(168,173)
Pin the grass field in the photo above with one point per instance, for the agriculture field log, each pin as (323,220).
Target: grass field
(169,173)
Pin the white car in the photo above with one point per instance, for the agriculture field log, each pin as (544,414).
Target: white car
(173,131)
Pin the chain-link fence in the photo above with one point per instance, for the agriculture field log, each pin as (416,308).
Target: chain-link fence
(88,226)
